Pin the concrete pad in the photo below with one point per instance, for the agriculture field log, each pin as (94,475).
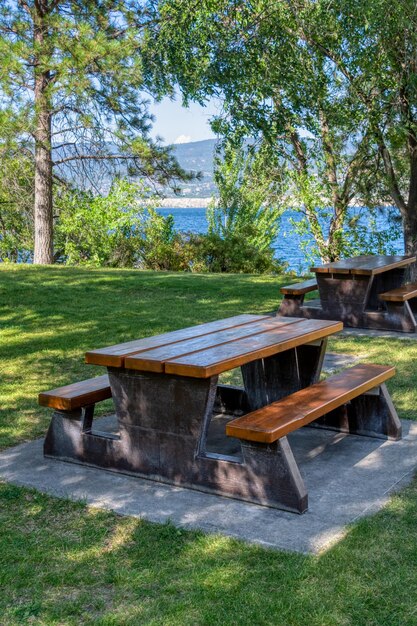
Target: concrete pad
(335,361)
(385,334)
(347,477)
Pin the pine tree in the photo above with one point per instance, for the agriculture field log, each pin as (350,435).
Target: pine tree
(71,79)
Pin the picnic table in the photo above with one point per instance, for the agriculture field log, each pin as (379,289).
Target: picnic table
(367,291)
(167,397)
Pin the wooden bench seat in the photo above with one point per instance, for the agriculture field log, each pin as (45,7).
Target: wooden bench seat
(292,303)
(401,294)
(78,395)
(300,289)
(276,420)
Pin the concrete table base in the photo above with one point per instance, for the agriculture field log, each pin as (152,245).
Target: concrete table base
(347,477)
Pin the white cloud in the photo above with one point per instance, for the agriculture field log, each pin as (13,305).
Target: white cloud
(183,139)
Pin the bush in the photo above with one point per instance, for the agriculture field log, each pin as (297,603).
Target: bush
(16,205)
(247,210)
(235,254)
(123,229)
(120,229)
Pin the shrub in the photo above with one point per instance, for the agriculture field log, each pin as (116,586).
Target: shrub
(120,229)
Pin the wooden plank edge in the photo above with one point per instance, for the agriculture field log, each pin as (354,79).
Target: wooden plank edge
(294,290)
(143,364)
(69,404)
(47,399)
(269,436)
(94,357)
(199,371)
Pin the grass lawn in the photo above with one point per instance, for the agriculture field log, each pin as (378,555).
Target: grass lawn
(63,563)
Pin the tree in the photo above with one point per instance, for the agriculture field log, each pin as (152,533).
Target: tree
(71,80)
(372,44)
(246,206)
(16,204)
(16,194)
(280,88)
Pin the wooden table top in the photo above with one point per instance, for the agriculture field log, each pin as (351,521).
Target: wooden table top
(209,349)
(367,265)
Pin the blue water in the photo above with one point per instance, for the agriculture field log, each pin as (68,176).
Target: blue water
(288,245)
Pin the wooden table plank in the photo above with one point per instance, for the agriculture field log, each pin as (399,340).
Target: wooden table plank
(342,266)
(113,356)
(381,264)
(154,360)
(364,264)
(213,361)
(303,407)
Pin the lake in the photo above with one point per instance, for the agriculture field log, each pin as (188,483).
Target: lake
(288,245)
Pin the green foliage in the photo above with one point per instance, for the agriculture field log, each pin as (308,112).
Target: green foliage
(330,87)
(159,244)
(72,87)
(16,199)
(368,237)
(235,254)
(120,229)
(243,222)
(123,229)
(361,233)
(280,90)
(247,185)
(89,54)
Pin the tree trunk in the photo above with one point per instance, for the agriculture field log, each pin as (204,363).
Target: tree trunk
(340,207)
(43,216)
(43,254)
(410,238)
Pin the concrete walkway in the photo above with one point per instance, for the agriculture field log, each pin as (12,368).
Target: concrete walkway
(367,332)
(347,477)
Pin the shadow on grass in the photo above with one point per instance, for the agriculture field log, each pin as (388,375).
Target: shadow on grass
(91,567)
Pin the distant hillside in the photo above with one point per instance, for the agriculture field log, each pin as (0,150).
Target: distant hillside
(197,156)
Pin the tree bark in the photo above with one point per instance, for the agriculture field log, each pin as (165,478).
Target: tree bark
(43,253)
(410,239)
(43,215)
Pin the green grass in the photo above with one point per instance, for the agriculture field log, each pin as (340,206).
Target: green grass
(50,317)
(65,563)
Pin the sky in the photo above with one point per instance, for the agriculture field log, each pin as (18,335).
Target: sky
(176,124)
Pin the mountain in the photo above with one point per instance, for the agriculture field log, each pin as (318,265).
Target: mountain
(197,156)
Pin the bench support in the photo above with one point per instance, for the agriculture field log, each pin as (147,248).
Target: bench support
(292,305)
(401,317)
(70,438)
(268,380)
(371,414)
(163,437)
(276,474)
(265,475)
(164,423)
